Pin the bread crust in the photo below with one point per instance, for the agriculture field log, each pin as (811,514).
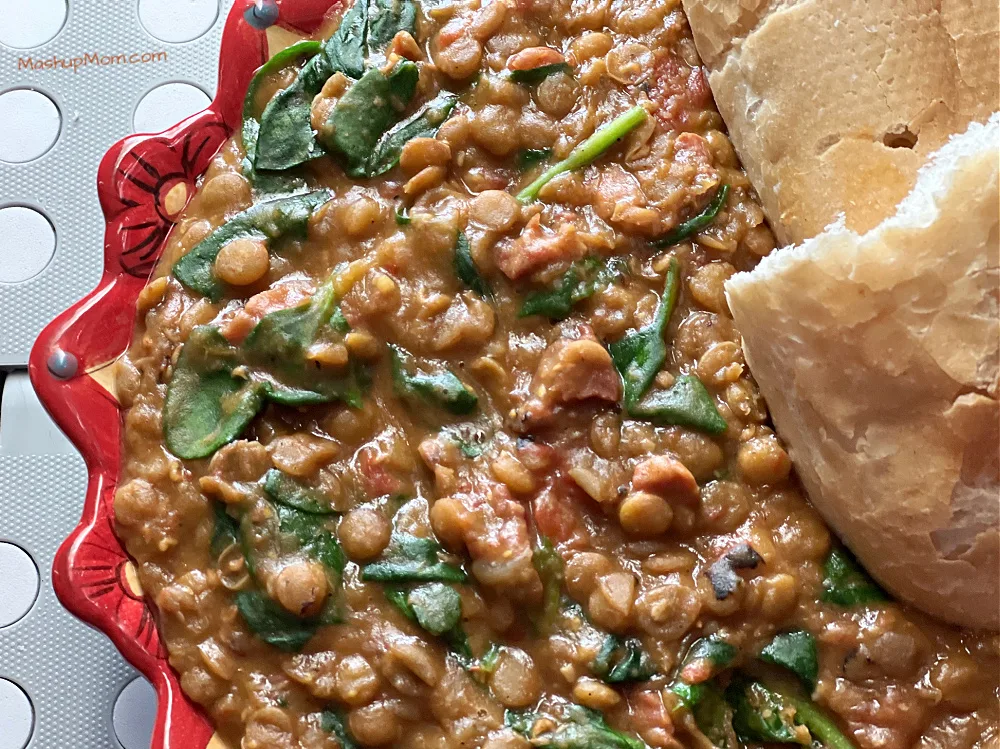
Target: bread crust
(813,90)
(878,356)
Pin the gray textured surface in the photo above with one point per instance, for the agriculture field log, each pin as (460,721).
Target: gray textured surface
(71,673)
(97,104)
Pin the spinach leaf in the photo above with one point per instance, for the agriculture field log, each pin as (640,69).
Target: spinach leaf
(226,532)
(529,157)
(686,403)
(362,115)
(422,124)
(588,151)
(285,136)
(706,657)
(272,624)
(639,355)
(465,268)
(432,608)
(570,727)
(442,387)
(206,405)
(818,723)
(410,558)
(620,661)
(714,717)
(332,721)
(845,582)
(347,48)
(386,18)
(549,565)
(488,661)
(771,713)
(796,651)
(437,607)
(286,491)
(270,221)
(270,184)
(536,75)
(581,281)
(277,347)
(315,540)
(694,225)
(760,714)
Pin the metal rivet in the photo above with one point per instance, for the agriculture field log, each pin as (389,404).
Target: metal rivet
(261,14)
(62,364)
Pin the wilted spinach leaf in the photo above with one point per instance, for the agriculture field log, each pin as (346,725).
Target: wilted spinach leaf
(694,225)
(529,157)
(285,490)
(422,124)
(581,281)
(270,221)
(796,651)
(273,624)
(845,582)
(440,387)
(270,184)
(362,115)
(410,558)
(686,403)
(622,660)
(639,355)
(276,352)
(570,727)
(206,405)
(536,75)
(549,566)
(333,722)
(465,268)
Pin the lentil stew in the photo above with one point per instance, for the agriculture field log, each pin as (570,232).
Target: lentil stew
(438,430)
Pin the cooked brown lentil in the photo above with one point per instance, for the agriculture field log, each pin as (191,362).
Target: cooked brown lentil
(563,518)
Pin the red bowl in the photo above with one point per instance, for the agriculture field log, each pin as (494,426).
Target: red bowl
(69,364)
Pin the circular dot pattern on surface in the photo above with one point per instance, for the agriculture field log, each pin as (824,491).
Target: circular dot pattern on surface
(178,21)
(166,105)
(30,23)
(16,716)
(27,243)
(31,123)
(134,714)
(18,583)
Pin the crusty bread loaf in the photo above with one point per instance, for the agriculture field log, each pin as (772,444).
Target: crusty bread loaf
(878,356)
(823,97)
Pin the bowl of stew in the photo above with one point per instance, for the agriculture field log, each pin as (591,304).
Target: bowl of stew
(415,414)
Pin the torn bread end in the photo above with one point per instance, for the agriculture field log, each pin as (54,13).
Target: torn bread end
(878,356)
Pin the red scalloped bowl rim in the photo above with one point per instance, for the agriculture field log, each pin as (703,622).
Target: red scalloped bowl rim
(143,183)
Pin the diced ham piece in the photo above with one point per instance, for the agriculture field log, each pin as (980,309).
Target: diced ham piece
(283,296)
(571,370)
(537,247)
(651,720)
(619,200)
(681,92)
(693,163)
(666,476)
(534,57)
(483,517)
